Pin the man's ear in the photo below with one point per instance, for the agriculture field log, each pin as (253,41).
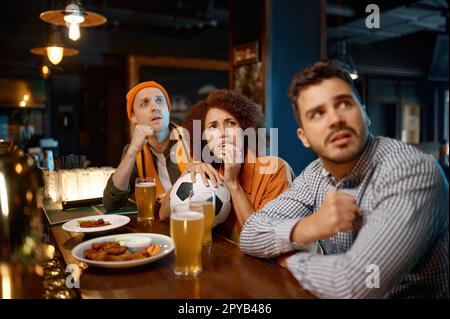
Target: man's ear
(133,119)
(366,116)
(302,137)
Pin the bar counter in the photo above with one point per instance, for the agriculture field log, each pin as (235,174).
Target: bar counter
(227,272)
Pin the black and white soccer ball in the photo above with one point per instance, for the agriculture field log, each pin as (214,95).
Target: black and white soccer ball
(183,186)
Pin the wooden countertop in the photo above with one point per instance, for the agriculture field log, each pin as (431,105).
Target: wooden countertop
(227,272)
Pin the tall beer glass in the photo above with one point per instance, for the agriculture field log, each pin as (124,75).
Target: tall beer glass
(204,201)
(186,230)
(145,192)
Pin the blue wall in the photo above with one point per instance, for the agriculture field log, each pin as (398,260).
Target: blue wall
(293,42)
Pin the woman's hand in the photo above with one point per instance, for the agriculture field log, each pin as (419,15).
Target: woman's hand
(233,160)
(140,135)
(160,198)
(164,201)
(205,170)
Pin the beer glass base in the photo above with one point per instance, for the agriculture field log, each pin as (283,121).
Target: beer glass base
(144,220)
(188,273)
(207,243)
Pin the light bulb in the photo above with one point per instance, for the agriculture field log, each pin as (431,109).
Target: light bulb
(23,104)
(55,54)
(74,31)
(75,15)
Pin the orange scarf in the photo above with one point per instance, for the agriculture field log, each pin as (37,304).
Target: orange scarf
(182,156)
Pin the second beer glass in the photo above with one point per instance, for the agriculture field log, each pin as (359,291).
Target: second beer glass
(145,192)
(204,201)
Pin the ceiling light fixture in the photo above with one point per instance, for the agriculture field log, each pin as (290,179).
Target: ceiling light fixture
(54,49)
(341,55)
(73,17)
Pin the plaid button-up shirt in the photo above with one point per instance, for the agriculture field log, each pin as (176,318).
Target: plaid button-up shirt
(398,247)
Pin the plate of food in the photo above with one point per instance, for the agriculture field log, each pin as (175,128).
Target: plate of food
(97,223)
(123,251)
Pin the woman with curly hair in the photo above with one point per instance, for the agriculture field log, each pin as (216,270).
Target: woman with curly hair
(252,180)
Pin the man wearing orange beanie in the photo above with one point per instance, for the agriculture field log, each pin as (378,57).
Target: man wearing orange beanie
(154,143)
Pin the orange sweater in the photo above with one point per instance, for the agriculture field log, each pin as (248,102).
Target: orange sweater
(261,181)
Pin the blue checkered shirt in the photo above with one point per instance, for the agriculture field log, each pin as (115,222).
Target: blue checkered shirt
(398,247)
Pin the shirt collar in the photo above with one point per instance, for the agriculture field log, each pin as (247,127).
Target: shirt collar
(364,162)
(362,165)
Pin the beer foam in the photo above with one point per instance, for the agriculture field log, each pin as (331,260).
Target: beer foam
(189,215)
(146,184)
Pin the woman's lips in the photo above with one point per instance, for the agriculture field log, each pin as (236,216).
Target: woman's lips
(224,144)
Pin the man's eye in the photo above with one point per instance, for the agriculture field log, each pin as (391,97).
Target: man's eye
(344,104)
(158,100)
(317,114)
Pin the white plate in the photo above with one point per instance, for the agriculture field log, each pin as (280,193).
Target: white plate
(115,220)
(165,242)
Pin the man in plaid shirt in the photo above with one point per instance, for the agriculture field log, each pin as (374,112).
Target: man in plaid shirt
(377,207)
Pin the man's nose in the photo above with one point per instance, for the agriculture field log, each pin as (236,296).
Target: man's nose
(154,108)
(334,118)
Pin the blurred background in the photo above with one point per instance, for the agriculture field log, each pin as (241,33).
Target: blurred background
(77,106)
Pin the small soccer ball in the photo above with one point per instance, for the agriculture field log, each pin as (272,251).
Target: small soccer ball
(183,186)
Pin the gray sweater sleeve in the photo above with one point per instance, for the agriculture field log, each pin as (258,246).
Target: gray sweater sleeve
(114,198)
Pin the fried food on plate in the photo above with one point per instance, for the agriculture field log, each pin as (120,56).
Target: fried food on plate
(113,251)
(94,223)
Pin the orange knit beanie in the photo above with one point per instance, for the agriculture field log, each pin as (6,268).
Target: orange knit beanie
(149,84)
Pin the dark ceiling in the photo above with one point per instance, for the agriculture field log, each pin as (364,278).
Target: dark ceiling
(167,27)
(193,28)
(412,39)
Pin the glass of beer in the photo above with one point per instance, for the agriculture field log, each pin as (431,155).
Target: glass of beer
(145,192)
(204,201)
(186,230)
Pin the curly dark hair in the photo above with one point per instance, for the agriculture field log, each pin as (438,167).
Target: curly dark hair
(315,74)
(246,112)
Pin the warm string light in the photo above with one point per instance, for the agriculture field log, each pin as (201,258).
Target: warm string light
(25,99)
(45,71)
